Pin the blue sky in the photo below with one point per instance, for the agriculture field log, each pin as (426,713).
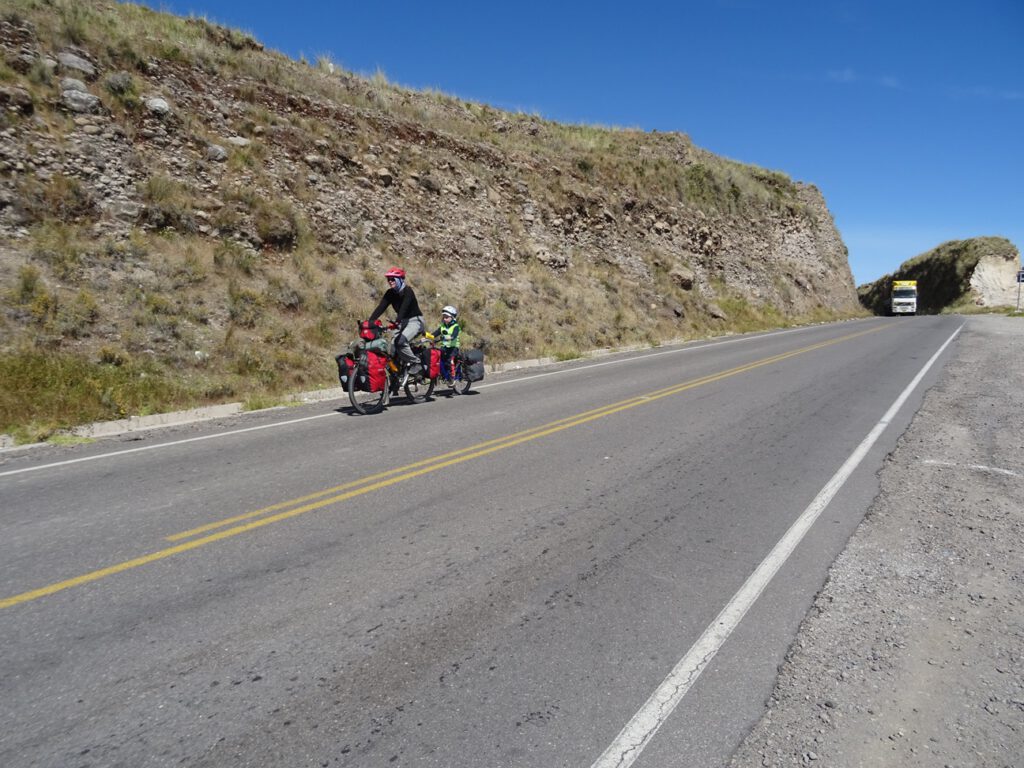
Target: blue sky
(908,115)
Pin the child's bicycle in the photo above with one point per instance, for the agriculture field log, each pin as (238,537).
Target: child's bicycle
(372,375)
(468,367)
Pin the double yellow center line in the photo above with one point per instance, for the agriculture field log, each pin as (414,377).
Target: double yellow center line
(233,526)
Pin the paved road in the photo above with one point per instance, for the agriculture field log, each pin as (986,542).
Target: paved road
(912,653)
(501,579)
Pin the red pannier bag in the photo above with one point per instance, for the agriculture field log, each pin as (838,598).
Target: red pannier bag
(430,357)
(370,331)
(376,378)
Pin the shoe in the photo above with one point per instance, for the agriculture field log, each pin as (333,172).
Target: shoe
(415,369)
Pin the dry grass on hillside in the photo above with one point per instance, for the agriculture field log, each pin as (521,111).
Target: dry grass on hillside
(98,325)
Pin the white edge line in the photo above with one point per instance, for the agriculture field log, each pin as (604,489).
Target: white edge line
(173,443)
(164,445)
(639,731)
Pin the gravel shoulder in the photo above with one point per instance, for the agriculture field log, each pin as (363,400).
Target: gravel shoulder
(913,652)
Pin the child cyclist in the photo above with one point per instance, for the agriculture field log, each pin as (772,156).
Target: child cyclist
(448,334)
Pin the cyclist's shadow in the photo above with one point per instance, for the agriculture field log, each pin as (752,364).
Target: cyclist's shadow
(400,401)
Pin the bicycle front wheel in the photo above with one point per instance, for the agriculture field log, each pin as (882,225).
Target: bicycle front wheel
(367,402)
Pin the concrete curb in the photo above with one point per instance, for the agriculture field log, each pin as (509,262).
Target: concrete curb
(193,415)
(136,423)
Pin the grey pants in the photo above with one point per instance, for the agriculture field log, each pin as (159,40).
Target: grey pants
(413,328)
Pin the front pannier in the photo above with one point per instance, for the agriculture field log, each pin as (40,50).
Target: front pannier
(376,363)
(346,368)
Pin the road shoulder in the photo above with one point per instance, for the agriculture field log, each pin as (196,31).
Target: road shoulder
(913,652)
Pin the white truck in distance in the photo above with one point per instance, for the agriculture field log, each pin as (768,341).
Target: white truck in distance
(904,297)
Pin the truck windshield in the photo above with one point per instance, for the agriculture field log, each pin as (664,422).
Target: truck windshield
(904,293)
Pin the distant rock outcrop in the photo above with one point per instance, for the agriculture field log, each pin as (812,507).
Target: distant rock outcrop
(980,271)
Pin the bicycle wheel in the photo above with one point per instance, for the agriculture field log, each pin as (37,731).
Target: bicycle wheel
(367,402)
(460,384)
(418,390)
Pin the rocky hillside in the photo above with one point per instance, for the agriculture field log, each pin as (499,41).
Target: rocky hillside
(958,275)
(181,207)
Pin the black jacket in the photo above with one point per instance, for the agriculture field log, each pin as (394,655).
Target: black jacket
(404,304)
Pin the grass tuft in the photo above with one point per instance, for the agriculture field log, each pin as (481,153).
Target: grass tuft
(46,391)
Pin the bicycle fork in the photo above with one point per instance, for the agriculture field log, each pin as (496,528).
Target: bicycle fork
(396,377)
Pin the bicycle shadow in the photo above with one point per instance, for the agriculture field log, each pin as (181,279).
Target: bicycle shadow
(404,402)
(448,394)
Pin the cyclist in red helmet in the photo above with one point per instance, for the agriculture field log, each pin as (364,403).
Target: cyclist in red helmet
(401,298)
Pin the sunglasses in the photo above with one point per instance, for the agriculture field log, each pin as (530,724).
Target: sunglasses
(392,279)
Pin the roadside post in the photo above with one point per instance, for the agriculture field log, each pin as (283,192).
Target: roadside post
(1020,279)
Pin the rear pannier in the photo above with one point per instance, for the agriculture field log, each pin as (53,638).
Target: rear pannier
(473,364)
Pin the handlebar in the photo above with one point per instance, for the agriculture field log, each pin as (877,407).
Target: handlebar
(392,326)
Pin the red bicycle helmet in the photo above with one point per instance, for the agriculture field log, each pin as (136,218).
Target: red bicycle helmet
(395,272)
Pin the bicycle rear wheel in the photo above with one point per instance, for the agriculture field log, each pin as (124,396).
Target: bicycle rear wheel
(460,384)
(367,402)
(418,390)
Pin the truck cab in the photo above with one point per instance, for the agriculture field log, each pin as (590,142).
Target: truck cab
(904,297)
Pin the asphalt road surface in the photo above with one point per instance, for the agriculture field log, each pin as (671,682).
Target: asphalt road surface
(912,653)
(600,563)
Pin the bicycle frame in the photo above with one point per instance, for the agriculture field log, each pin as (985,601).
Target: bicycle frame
(416,389)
